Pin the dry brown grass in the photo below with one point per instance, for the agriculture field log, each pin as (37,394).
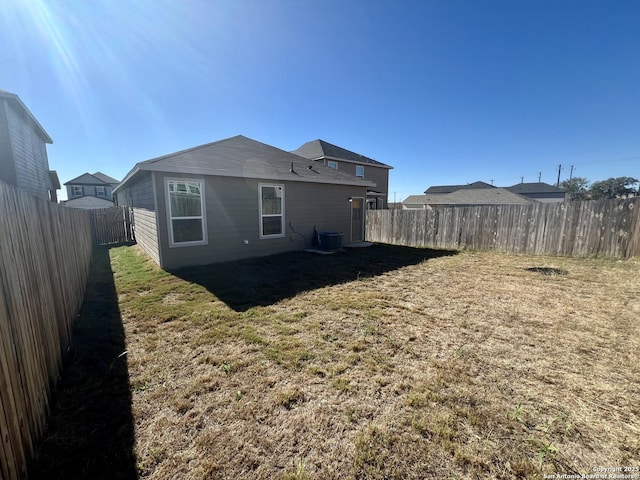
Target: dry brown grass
(458,366)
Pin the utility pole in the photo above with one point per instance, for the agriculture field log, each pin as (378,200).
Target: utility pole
(571,173)
(521,179)
(558,182)
(491,181)
(539,176)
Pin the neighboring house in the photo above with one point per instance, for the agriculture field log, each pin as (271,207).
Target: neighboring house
(354,164)
(465,198)
(238,198)
(540,191)
(23,150)
(88,202)
(453,188)
(90,190)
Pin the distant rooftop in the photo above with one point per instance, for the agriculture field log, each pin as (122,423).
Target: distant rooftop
(453,188)
(537,187)
(472,196)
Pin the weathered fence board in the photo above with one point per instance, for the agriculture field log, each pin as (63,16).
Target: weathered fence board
(589,228)
(45,254)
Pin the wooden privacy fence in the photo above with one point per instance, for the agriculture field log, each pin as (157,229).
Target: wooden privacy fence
(111,225)
(586,228)
(45,255)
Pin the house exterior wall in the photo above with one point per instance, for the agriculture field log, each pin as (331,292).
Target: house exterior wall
(7,165)
(146,232)
(232,217)
(23,154)
(378,175)
(138,193)
(89,190)
(139,196)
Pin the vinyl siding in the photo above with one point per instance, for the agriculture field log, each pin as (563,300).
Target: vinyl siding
(378,175)
(89,190)
(138,194)
(231,208)
(144,223)
(7,165)
(30,156)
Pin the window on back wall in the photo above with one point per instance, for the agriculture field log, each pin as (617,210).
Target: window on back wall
(359,171)
(101,192)
(271,211)
(332,164)
(77,191)
(186,213)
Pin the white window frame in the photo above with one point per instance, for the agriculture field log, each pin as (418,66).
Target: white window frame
(261,215)
(170,218)
(361,169)
(332,164)
(101,191)
(75,189)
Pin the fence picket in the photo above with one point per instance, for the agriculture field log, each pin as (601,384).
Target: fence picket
(586,228)
(45,254)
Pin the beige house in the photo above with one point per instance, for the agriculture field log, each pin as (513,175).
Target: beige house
(238,198)
(354,164)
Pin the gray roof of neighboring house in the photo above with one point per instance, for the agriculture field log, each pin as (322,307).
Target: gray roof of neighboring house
(453,188)
(93,179)
(26,114)
(485,196)
(537,187)
(317,149)
(106,178)
(243,157)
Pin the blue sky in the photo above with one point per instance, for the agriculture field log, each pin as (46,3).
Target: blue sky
(445,91)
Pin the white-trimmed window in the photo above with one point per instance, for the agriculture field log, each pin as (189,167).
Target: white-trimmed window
(271,206)
(185,200)
(77,191)
(359,171)
(332,164)
(101,192)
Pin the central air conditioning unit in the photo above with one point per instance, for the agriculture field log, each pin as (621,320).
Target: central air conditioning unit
(330,241)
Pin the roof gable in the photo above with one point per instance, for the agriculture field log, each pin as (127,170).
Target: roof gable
(105,178)
(240,156)
(87,179)
(15,101)
(317,149)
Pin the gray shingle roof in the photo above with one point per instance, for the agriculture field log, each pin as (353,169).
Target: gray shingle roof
(317,149)
(97,178)
(537,187)
(476,196)
(240,156)
(106,178)
(453,188)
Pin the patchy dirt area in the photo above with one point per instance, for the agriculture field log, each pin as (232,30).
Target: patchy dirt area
(384,362)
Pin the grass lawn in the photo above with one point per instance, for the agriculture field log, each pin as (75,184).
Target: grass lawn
(384,362)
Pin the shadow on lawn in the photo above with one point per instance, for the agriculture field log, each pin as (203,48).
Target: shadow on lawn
(264,281)
(90,429)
